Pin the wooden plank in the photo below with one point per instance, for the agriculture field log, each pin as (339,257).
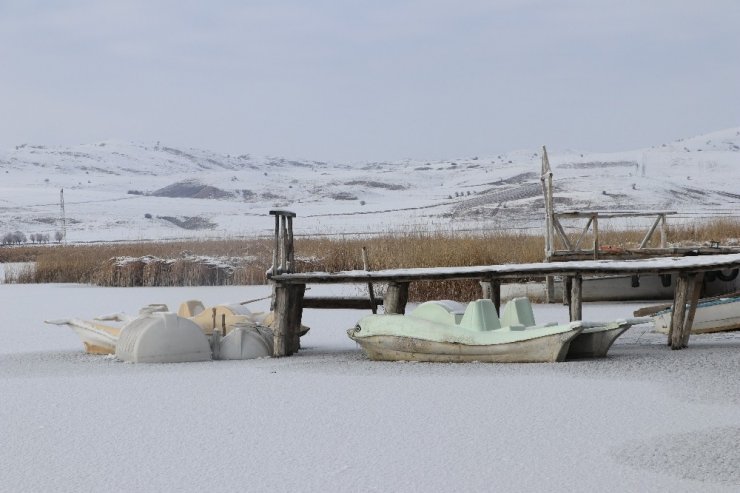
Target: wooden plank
(576,299)
(509,271)
(611,214)
(663,231)
(696,284)
(396,297)
(678,315)
(352,303)
(290,249)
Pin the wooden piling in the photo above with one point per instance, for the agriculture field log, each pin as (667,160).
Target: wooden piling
(678,314)
(491,290)
(696,284)
(396,297)
(576,299)
(288,314)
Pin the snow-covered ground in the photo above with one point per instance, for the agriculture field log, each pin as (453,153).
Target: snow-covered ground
(137,191)
(644,419)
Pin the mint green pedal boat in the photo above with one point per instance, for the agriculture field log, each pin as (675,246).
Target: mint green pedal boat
(447,331)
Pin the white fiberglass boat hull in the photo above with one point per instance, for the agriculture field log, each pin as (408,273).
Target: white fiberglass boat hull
(721,315)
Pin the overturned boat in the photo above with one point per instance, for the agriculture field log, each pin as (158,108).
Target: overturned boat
(195,333)
(447,331)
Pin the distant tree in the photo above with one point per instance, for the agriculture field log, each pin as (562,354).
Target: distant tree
(20,237)
(45,238)
(8,239)
(32,237)
(147,216)
(58,236)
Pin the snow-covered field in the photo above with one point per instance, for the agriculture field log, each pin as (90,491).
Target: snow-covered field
(137,191)
(644,419)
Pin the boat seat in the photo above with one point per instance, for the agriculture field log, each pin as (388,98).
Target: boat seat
(518,311)
(480,315)
(440,311)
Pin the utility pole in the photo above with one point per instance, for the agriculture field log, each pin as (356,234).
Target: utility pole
(62,219)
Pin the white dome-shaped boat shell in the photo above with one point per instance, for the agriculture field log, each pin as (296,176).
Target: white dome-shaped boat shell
(162,337)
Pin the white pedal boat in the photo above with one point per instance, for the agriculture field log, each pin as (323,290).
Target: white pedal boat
(719,314)
(446,331)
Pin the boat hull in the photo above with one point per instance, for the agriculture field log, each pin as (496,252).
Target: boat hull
(545,349)
(722,316)
(594,344)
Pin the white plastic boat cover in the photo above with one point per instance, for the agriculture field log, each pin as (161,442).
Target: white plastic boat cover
(162,337)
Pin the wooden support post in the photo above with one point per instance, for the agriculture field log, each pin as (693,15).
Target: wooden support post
(396,297)
(696,284)
(576,299)
(276,248)
(290,249)
(288,314)
(370,290)
(663,231)
(550,289)
(596,236)
(567,287)
(491,290)
(284,244)
(678,314)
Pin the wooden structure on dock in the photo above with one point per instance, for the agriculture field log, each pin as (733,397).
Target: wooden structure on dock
(559,247)
(290,287)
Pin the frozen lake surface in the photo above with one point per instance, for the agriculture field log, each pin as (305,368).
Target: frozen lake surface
(646,418)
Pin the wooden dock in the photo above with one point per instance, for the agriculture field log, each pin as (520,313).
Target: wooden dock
(690,271)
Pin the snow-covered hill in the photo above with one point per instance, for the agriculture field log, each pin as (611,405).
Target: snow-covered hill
(133,191)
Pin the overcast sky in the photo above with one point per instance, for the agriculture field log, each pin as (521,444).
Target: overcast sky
(368,80)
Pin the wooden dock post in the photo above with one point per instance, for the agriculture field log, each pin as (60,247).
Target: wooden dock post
(396,297)
(491,290)
(576,298)
(288,314)
(688,287)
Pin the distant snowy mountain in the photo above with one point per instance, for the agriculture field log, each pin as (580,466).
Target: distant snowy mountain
(134,191)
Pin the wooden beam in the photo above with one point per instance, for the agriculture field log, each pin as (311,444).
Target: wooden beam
(288,313)
(561,233)
(396,297)
(350,303)
(696,285)
(663,231)
(576,299)
(649,234)
(583,233)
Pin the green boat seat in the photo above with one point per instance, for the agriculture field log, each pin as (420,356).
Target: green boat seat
(518,311)
(481,316)
(440,311)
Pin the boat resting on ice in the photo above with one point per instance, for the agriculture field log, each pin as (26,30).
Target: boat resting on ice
(719,314)
(195,333)
(446,331)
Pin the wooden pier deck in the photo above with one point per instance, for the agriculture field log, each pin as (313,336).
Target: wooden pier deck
(290,287)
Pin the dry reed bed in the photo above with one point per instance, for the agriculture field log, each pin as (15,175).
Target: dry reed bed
(177,264)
